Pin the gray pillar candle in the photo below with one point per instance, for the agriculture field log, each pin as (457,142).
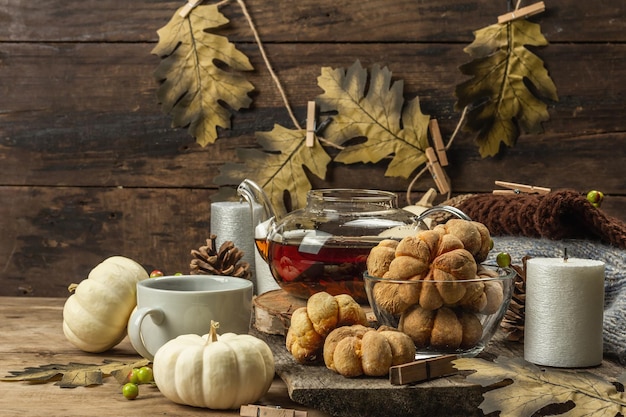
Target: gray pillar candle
(232,220)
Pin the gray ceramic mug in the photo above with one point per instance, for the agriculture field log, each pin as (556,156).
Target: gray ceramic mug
(168,307)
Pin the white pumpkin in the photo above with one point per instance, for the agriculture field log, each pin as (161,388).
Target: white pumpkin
(218,372)
(96,315)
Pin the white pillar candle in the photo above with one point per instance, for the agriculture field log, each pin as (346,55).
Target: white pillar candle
(564,312)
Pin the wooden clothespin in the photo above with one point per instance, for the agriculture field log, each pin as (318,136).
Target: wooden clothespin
(527,11)
(440,148)
(514,188)
(184,11)
(252,410)
(422,370)
(436,171)
(311,118)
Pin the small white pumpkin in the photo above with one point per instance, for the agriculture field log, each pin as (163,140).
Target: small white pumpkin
(218,372)
(96,315)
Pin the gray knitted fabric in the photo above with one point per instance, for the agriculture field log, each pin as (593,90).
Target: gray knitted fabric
(615,277)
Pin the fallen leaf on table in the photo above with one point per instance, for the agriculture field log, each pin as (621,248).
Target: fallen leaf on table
(534,388)
(74,374)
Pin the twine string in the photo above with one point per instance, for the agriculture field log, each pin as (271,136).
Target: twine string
(266,60)
(448,145)
(275,78)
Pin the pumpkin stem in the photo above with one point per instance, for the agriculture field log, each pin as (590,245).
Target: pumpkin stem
(72,287)
(213,333)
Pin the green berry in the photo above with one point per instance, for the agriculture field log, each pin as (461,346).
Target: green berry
(133,376)
(178,274)
(595,197)
(156,273)
(145,375)
(130,390)
(503,260)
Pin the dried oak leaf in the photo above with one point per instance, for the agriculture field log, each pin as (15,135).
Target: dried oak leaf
(279,166)
(534,388)
(74,374)
(391,129)
(198,69)
(508,85)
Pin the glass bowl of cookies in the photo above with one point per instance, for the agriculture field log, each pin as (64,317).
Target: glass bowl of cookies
(435,287)
(442,315)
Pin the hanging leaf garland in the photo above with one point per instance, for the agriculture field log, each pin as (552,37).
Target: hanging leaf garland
(191,83)
(201,81)
(279,165)
(378,114)
(507,86)
(391,129)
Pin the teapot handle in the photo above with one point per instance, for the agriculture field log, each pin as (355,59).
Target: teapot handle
(254,194)
(447,209)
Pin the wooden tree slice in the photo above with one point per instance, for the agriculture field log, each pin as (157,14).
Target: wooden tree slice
(273,309)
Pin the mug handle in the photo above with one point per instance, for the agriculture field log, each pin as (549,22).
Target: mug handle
(134,328)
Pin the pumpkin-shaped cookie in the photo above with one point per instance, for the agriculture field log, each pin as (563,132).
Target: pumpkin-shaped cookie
(358,350)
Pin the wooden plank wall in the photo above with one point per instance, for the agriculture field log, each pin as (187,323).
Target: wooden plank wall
(92,168)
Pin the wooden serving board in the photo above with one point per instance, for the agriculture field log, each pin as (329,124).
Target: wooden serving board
(317,387)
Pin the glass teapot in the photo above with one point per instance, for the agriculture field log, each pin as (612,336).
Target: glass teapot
(324,246)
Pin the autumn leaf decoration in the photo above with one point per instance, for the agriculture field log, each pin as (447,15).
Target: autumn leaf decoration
(532,389)
(192,84)
(509,85)
(278,167)
(377,114)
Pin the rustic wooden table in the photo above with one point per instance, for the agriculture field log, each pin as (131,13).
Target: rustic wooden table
(31,335)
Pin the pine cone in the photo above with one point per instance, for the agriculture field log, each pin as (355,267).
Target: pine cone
(225,261)
(513,321)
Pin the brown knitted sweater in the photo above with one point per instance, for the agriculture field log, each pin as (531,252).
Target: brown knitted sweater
(562,214)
